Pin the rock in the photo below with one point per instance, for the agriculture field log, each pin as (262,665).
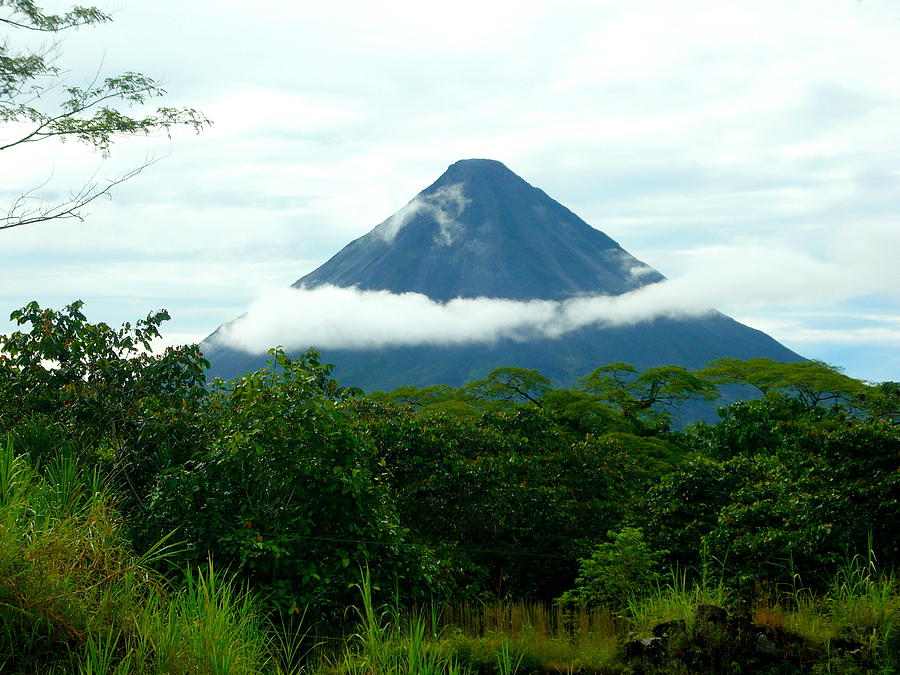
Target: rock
(669,627)
(651,648)
(845,644)
(765,645)
(712,613)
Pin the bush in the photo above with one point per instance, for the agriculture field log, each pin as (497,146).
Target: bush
(288,495)
(619,569)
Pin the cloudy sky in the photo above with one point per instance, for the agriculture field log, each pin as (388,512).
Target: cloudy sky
(747,150)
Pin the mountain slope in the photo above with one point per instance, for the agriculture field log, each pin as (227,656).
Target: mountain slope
(481,231)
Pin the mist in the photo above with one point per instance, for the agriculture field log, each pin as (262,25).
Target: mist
(349,318)
(734,279)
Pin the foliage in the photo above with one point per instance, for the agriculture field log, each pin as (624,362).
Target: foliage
(288,494)
(812,383)
(579,413)
(509,499)
(618,570)
(509,384)
(778,482)
(102,388)
(91,114)
(647,395)
(749,428)
(416,397)
(881,401)
(91,373)
(502,389)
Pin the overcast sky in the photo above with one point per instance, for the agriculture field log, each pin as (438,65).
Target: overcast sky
(749,147)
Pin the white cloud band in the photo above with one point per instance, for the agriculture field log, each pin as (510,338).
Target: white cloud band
(735,280)
(333,317)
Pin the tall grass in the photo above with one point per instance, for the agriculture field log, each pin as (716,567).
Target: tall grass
(65,573)
(387,642)
(861,604)
(289,643)
(531,635)
(505,638)
(74,598)
(863,601)
(677,599)
(206,627)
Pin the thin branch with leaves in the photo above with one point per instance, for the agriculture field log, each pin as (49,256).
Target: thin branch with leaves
(91,114)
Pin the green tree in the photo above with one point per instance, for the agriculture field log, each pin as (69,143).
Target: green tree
(416,397)
(96,377)
(517,385)
(813,383)
(582,413)
(882,401)
(288,494)
(648,395)
(30,82)
(617,570)
(65,380)
(510,499)
(776,484)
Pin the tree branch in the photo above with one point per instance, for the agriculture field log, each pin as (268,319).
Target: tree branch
(21,214)
(34,19)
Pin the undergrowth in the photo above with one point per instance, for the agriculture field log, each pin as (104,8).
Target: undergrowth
(74,598)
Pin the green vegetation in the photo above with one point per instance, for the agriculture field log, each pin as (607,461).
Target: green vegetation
(74,598)
(618,571)
(150,523)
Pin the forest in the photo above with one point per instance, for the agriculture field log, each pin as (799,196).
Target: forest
(151,522)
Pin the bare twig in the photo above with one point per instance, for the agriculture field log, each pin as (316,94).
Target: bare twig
(21,214)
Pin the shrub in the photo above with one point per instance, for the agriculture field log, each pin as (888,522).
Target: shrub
(288,495)
(618,569)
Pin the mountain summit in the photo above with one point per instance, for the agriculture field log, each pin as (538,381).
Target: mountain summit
(481,231)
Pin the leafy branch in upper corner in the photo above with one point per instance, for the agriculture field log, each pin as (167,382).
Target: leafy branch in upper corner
(91,114)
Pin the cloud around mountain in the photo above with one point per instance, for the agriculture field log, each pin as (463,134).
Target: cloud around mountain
(481,256)
(443,206)
(332,317)
(350,318)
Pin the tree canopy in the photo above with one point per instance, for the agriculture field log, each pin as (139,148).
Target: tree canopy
(646,394)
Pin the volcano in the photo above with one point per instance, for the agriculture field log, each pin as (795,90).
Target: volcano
(481,231)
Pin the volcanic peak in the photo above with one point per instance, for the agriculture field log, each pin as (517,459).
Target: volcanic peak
(482,231)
